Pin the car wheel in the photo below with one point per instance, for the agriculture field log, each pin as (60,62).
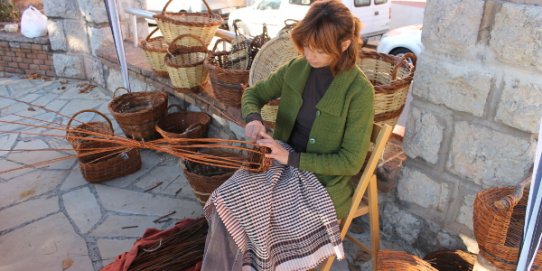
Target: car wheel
(243,28)
(402,51)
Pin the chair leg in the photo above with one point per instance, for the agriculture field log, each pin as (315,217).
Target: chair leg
(373,219)
(327,265)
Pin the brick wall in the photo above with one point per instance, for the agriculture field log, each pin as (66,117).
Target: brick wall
(22,55)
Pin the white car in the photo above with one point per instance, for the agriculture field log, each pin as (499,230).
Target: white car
(374,14)
(402,40)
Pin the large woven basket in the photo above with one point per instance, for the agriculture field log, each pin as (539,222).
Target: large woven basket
(138,112)
(185,64)
(184,124)
(498,218)
(390,260)
(228,73)
(201,25)
(76,135)
(155,50)
(391,77)
(205,179)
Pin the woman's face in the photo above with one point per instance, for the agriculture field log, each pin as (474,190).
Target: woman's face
(316,57)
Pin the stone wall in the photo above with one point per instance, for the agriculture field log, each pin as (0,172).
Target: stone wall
(477,103)
(22,55)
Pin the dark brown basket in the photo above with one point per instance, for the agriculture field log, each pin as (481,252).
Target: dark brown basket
(498,218)
(138,112)
(76,135)
(390,260)
(257,43)
(184,124)
(205,179)
(108,165)
(226,74)
(451,260)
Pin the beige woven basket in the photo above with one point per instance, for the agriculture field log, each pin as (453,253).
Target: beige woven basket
(273,54)
(202,25)
(185,64)
(155,50)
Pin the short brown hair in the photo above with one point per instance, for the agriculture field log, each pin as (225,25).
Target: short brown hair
(326,25)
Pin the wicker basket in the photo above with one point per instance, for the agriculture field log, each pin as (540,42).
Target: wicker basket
(205,179)
(75,136)
(391,77)
(201,25)
(389,260)
(155,50)
(451,260)
(257,43)
(227,77)
(185,64)
(498,227)
(138,112)
(184,124)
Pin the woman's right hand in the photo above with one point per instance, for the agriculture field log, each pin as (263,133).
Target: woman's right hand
(253,130)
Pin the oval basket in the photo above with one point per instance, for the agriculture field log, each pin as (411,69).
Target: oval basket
(226,77)
(185,64)
(76,135)
(184,124)
(138,112)
(390,260)
(155,50)
(204,179)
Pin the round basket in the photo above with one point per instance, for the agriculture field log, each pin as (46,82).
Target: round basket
(273,54)
(155,49)
(77,134)
(183,124)
(185,64)
(499,231)
(391,77)
(390,260)
(226,79)
(205,179)
(451,260)
(201,25)
(138,112)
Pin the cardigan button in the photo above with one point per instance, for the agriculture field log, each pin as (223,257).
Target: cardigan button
(312,140)
(317,113)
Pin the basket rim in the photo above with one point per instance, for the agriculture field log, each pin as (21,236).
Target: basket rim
(215,19)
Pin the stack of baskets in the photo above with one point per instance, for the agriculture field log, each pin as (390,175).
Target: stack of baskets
(138,112)
(498,218)
(96,163)
(155,50)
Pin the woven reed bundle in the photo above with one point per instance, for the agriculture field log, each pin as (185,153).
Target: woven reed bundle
(185,64)
(389,260)
(227,71)
(138,112)
(155,50)
(498,220)
(183,124)
(391,77)
(201,25)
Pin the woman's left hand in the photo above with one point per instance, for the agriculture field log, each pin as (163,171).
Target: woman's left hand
(278,152)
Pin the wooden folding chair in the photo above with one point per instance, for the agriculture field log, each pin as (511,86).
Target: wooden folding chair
(365,198)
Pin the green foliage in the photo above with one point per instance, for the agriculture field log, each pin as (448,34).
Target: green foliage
(8,12)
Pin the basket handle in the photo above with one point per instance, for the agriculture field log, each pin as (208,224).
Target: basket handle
(403,58)
(178,106)
(150,34)
(180,37)
(117,89)
(510,201)
(68,126)
(204,2)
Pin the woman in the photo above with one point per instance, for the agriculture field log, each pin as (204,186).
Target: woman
(325,117)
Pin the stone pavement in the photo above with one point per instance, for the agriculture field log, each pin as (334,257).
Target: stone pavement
(51,218)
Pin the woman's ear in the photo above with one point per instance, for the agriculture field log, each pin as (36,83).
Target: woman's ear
(345,44)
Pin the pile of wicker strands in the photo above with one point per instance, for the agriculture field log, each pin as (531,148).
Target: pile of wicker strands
(177,251)
(390,260)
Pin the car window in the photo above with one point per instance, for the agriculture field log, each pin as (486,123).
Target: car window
(301,2)
(269,4)
(362,3)
(379,2)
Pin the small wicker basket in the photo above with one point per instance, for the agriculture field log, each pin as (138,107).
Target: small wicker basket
(226,74)
(201,25)
(257,43)
(184,124)
(76,135)
(390,260)
(185,64)
(138,112)
(155,49)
